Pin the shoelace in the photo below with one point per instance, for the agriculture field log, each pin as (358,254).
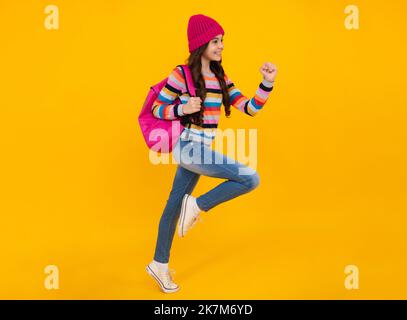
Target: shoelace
(200,219)
(167,276)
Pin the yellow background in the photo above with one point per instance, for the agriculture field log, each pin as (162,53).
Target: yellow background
(78,190)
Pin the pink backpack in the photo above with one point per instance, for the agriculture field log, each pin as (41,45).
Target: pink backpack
(162,135)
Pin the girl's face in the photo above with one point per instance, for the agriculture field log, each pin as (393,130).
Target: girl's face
(214,49)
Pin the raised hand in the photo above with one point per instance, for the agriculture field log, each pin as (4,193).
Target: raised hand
(269,71)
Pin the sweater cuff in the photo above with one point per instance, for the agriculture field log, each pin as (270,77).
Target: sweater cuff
(180,113)
(267,83)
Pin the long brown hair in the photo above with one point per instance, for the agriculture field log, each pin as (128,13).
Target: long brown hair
(195,65)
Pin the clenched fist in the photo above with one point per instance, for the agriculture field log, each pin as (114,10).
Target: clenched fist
(269,71)
(193,105)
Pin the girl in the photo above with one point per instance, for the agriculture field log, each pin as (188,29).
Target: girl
(200,115)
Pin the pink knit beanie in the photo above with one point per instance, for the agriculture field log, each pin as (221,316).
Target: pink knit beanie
(201,30)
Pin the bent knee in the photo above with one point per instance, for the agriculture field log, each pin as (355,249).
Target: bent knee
(252,180)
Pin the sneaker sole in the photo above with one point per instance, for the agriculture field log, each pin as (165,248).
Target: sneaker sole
(155,277)
(182,216)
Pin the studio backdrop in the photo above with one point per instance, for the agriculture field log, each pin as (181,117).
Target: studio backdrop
(81,195)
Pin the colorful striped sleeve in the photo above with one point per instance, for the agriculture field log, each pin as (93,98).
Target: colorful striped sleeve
(253,105)
(163,107)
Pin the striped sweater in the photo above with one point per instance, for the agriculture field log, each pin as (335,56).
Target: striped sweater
(165,108)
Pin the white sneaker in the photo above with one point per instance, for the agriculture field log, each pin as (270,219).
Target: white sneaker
(189,214)
(163,278)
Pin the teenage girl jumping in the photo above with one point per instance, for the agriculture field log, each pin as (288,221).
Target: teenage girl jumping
(213,88)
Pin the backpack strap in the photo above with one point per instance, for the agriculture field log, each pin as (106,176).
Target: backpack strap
(190,86)
(188,80)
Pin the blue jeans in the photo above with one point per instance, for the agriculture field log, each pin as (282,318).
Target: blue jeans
(240,179)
